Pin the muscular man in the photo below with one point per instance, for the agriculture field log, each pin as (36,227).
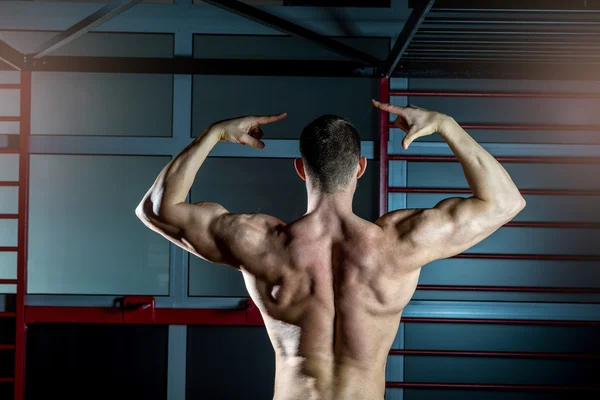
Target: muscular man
(331,286)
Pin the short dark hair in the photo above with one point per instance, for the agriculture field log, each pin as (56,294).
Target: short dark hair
(330,148)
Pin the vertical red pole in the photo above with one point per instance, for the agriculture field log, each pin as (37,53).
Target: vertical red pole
(21,329)
(384,97)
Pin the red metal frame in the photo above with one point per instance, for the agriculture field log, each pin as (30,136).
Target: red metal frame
(21,328)
(23,183)
(519,160)
(384,87)
(493,354)
(384,189)
(10,119)
(539,192)
(228,317)
(506,289)
(540,257)
(406,93)
(517,127)
(549,388)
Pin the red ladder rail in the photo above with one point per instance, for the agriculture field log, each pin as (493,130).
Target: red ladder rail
(21,249)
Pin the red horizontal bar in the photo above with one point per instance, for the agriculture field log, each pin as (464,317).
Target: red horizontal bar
(484,321)
(519,289)
(104,315)
(8,281)
(418,385)
(497,95)
(540,192)
(8,249)
(10,119)
(5,150)
(541,257)
(454,353)
(163,316)
(562,225)
(232,317)
(6,184)
(7,346)
(9,216)
(184,316)
(10,86)
(508,160)
(5,314)
(7,380)
(517,127)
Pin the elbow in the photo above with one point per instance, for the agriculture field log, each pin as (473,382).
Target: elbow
(144,210)
(512,206)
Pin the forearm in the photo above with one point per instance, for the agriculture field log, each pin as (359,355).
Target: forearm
(176,179)
(487,179)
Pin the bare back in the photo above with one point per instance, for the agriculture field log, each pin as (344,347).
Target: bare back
(333,307)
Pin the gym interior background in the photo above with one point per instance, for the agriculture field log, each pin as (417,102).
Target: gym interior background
(98,306)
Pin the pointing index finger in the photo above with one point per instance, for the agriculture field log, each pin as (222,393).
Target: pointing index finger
(270,119)
(389,108)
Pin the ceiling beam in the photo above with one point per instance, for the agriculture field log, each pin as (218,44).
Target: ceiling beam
(409,30)
(11,56)
(282,25)
(87,24)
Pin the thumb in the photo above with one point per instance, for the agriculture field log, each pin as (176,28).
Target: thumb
(251,141)
(410,137)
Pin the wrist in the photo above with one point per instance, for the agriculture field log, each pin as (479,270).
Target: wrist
(214,132)
(447,125)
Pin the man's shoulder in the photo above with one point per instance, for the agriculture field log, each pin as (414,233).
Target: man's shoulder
(393,218)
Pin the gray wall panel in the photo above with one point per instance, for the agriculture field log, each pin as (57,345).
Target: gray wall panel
(304,99)
(84,237)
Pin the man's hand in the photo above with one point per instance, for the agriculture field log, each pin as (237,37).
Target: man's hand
(245,130)
(416,122)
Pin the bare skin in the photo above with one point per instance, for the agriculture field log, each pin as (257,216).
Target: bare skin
(331,286)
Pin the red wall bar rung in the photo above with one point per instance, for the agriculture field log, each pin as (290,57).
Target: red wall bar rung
(8,281)
(483,321)
(539,192)
(508,289)
(163,316)
(103,315)
(9,216)
(454,353)
(6,314)
(8,249)
(10,119)
(10,86)
(517,127)
(507,160)
(497,95)
(8,151)
(7,346)
(549,388)
(7,184)
(540,257)
(7,380)
(562,225)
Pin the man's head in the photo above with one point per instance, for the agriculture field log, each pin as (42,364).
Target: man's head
(330,148)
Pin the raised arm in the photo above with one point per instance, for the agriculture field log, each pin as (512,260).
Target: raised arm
(207,230)
(455,224)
